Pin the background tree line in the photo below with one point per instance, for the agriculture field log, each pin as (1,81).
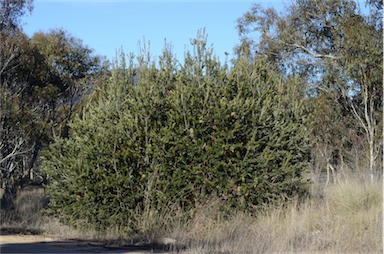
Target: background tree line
(43,80)
(303,94)
(337,48)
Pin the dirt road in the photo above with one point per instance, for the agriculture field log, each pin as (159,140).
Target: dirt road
(41,244)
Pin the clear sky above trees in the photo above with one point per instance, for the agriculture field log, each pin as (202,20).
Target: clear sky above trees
(110,25)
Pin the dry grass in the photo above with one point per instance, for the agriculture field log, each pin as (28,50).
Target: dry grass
(348,218)
(25,209)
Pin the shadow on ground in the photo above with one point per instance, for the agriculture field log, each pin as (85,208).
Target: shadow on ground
(19,240)
(20,231)
(70,247)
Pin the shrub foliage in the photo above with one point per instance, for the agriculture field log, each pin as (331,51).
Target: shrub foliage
(169,133)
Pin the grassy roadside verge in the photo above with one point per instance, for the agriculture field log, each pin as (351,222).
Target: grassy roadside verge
(346,217)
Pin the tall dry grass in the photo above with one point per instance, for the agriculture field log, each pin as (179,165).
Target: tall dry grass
(24,209)
(346,217)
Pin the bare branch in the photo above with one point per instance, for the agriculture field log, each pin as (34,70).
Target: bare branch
(15,152)
(313,54)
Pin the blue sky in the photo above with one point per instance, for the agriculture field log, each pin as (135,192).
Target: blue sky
(107,26)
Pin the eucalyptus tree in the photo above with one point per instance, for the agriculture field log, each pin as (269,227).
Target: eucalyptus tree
(14,52)
(11,11)
(43,82)
(337,47)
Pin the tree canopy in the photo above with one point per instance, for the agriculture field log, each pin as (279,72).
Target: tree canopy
(338,49)
(11,11)
(43,81)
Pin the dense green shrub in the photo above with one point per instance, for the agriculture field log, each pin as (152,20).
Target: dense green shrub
(181,134)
